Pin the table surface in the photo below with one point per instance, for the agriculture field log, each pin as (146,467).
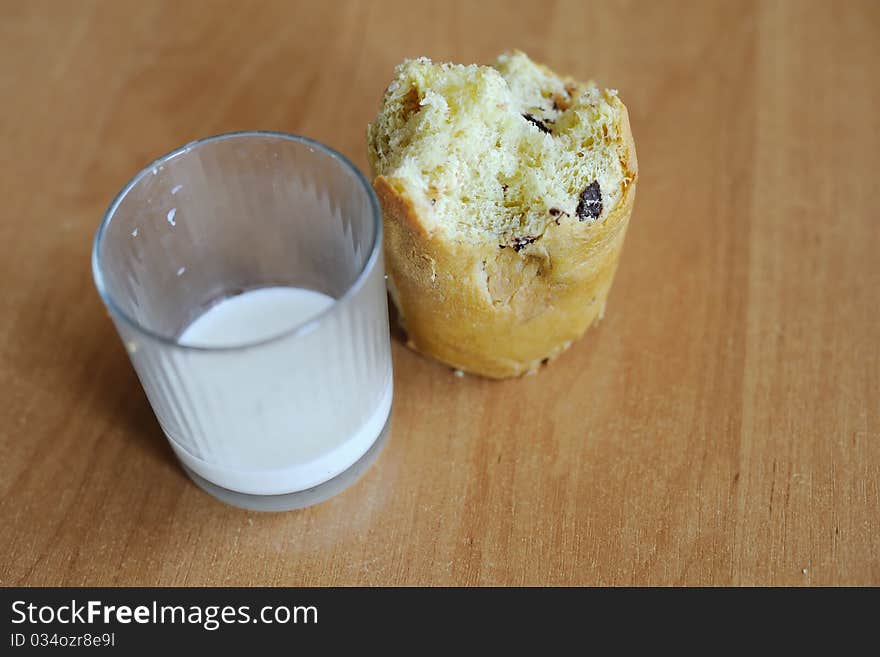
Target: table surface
(720,426)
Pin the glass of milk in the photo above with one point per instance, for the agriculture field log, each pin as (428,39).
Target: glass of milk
(244,275)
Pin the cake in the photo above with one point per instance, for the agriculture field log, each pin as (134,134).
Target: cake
(506,192)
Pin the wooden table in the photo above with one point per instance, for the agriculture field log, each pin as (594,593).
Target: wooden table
(720,426)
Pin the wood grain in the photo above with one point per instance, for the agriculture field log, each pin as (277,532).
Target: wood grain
(720,426)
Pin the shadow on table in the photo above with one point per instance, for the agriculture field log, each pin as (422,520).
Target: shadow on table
(397,332)
(74,365)
(132,411)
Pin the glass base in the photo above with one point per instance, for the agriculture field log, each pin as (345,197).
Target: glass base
(302,498)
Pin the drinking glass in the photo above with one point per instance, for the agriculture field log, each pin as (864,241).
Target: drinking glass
(278,422)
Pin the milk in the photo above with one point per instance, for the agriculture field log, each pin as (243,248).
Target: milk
(293,413)
(254,316)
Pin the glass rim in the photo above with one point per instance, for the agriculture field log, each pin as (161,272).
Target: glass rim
(297,329)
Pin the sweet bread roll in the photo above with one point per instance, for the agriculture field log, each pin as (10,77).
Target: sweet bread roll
(506,192)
